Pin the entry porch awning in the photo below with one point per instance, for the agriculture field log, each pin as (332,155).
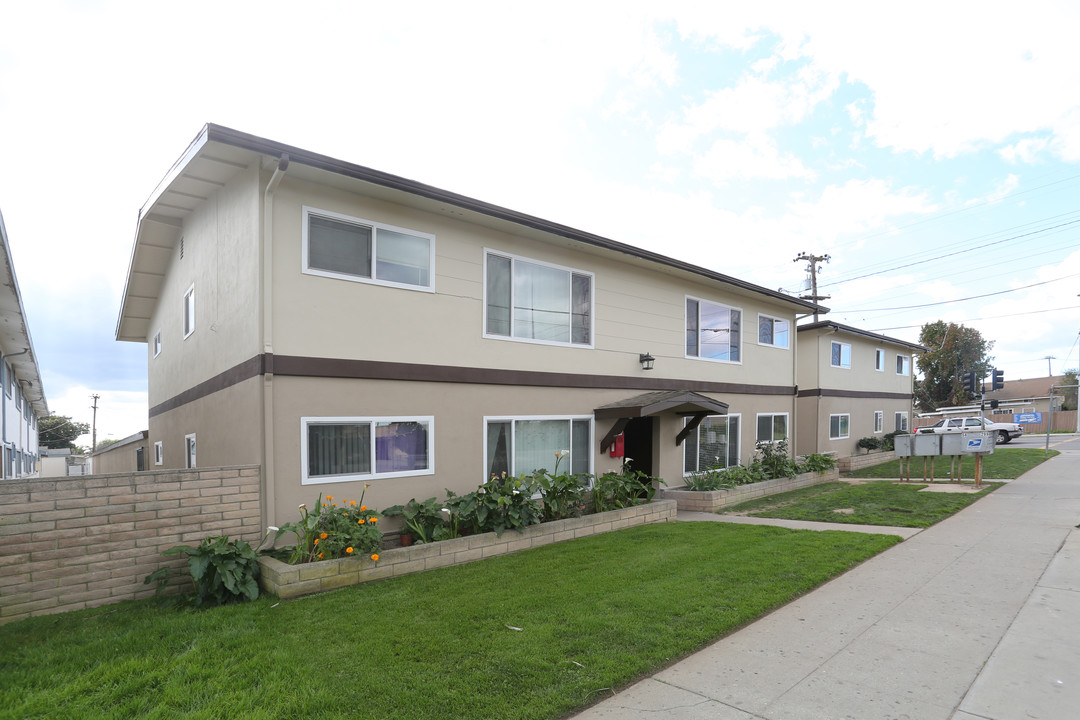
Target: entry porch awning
(681,402)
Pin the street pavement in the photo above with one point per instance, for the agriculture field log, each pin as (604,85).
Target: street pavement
(975,618)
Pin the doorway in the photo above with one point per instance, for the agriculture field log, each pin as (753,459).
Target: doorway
(638,445)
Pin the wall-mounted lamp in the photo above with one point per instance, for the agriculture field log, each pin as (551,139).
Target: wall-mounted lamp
(646,361)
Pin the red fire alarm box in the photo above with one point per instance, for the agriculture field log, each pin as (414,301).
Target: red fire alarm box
(617,447)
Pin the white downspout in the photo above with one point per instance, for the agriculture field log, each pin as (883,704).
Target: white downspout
(268,493)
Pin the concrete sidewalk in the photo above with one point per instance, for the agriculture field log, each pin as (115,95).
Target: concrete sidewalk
(976,618)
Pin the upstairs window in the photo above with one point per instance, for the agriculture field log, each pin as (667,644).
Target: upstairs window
(879,360)
(772,331)
(713,331)
(157,343)
(189,311)
(349,248)
(841,355)
(903,365)
(533,301)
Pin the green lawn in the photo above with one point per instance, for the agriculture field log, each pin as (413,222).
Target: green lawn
(1004,464)
(594,614)
(876,503)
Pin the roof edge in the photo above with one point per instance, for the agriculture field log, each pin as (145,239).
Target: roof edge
(864,333)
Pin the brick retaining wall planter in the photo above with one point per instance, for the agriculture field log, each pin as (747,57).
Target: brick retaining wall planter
(289,581)
(858,462)
(713,500)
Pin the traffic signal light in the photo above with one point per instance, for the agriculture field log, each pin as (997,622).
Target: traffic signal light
(969,382)
(998,381)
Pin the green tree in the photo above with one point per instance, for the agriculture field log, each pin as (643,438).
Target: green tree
(1070,395)
(105,443)
(953,351)
(60,431)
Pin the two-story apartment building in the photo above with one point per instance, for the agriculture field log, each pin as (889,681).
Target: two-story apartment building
(22,401)
(852,384)
(340,326)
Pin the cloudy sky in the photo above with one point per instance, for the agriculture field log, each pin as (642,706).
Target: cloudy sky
(932,149)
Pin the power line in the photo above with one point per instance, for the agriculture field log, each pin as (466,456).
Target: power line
(989,317)
(957,252)
(946,302)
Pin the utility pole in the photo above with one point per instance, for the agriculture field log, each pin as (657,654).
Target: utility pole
(813,260)
(93,431)
(1048,358)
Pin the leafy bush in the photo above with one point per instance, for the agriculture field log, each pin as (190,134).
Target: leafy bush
(422,519)
(332,531)
(502,503)
(887,442)
(870,443)
(774,460)
(816,462)
(562,494)
(614,490)
(223,570)
(722,478)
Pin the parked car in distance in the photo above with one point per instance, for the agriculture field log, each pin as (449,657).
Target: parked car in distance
(1005,431)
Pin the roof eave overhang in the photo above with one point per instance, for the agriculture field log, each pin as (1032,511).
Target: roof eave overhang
(17,331)
(839,327)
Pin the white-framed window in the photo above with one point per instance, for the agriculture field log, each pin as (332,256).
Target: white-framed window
(521,445)
(189,451)
(159,453)
(879,421)
(903,365)
(533,301)
(901,422)
(839,426)
(157,343)
(841,355)
(10,377)
(714,443)
(713,331)
(350,248)
(347,449)
(771,427)
(879,360)
(18,396)
(773,331)
(189,311)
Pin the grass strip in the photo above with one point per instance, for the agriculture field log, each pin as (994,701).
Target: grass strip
(594,614)
(1006,464)
(876,503)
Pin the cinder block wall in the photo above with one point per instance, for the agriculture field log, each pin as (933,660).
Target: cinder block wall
(858,462)
(75,542)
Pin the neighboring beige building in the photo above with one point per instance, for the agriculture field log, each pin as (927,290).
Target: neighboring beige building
(126,455)
(340,326)
(22,397)
(852,384)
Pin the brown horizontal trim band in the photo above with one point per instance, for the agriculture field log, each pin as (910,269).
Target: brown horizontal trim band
(374,370)
(300,366)
(234,375)
(855,394)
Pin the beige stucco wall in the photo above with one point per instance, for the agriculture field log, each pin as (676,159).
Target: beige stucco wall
(459,411)
(637,309)
(227,425)
(122,459)
(221,256)
(816,371)
(861,411)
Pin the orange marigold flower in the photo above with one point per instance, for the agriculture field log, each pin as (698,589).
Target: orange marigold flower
(360,521)
(374,519)
(375,557)
(316,541)
(323,536)
(329,497)
(348,550)
(352,502)
(362,507)
(320,556)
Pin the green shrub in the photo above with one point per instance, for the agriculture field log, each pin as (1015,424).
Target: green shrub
(422,519)
(887,440)
(614,490)
(870,443)
(562,494)
(332,531)
(774,460)
(723,478)
(224,571)
(816,462)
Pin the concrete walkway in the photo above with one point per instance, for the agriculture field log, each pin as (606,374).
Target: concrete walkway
(975,618)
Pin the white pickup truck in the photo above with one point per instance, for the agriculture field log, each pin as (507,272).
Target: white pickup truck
(1005,431)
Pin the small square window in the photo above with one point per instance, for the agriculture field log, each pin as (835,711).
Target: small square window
(159,454)
(903,365)
(879,421)
(772,331)
(771,427)
(839,426)
(841,355)
(879,360)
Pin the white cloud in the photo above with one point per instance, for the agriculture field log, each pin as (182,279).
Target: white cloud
(1024,151)
(756,156)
